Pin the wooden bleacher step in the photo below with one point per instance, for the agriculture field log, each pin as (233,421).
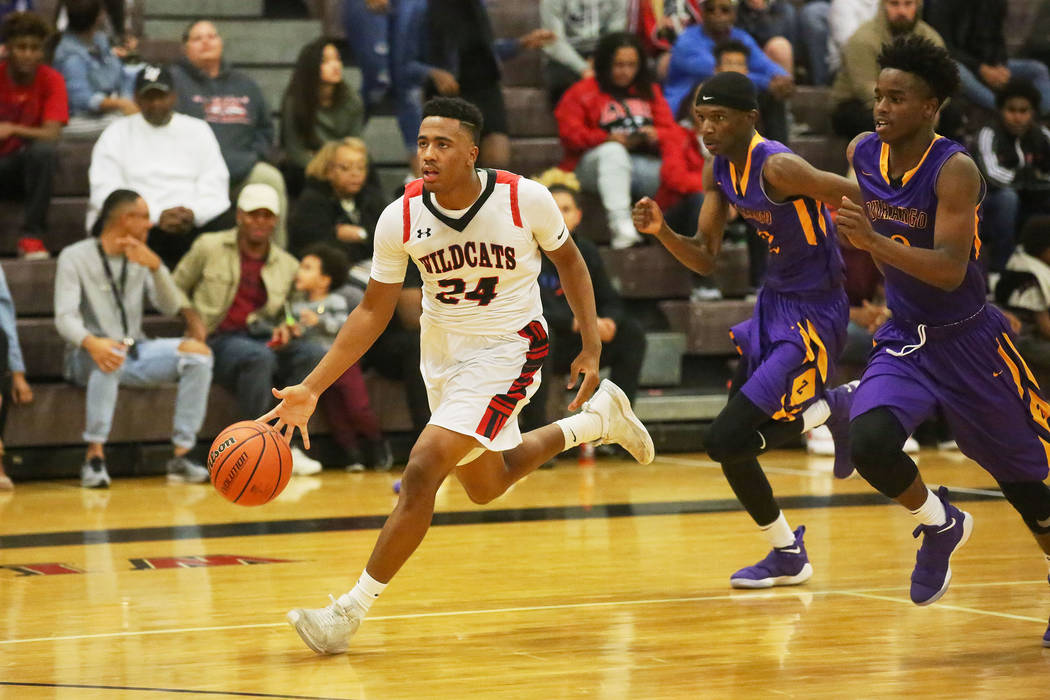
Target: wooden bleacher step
(706,323)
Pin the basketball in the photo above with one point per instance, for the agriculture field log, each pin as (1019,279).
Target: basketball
(250,463)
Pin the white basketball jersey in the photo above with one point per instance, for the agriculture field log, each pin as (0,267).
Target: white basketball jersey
(479,265)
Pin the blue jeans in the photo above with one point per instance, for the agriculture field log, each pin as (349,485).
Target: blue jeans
(999,228)
(1033,71)
(249,369)
(377,40)
(813,32)
(159,362)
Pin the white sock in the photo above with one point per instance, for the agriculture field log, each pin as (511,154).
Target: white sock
(779,533)
(580,427)
(816,415)
(932,511)
(364,593)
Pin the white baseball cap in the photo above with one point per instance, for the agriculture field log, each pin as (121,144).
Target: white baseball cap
(259,196)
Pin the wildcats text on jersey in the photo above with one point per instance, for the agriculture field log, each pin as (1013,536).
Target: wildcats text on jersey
(470,254)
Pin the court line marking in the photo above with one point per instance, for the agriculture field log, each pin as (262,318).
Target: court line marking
(805,471)
(755,595)
(946,606)
(186,691)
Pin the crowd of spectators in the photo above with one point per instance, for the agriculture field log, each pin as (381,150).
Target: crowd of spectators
(258,235)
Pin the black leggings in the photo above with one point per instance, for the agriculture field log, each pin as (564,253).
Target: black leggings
(877,449)
(740,433)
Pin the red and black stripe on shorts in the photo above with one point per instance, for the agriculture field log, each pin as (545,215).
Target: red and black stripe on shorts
(501,406)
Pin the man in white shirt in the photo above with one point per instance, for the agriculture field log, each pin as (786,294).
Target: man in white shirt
(171,159)
(475,236)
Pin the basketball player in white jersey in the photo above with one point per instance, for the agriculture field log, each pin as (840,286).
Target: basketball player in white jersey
(475,236)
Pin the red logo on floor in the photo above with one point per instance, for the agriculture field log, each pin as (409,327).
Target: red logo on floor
(143,563)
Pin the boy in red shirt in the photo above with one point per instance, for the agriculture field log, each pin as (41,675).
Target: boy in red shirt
(33,109)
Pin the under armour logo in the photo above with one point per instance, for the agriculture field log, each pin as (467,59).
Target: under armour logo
(420,232)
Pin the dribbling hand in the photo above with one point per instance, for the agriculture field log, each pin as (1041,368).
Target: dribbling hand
(647,217)
(586,363)
(294,411)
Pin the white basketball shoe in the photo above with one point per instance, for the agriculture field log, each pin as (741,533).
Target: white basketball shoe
(327,630)
(619,424)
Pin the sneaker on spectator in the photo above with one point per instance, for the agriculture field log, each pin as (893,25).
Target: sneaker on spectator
(783,566)
(304,465)
(702,293)
(183,470)
(93,474)
(911,446)
(624,235)
(378,455)
(933,572)
(819,442)
(32,248)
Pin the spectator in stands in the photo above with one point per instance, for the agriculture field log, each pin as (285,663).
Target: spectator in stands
(33,108)
(318,107)
(341,202)
(844,17)
(234,287)
(612,127)
(319,314)
(693,60)
(853,92)
(172,159)
(1024,289)
(659,23)
(973,32)
(773,25)
(730,55)
(100,90)
(623,341)
(13,384)
(101,286)
(681,190)
(1014,156)
(232,103)
(459,41)
(577,27)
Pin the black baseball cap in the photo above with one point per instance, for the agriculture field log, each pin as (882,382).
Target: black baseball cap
(153,78)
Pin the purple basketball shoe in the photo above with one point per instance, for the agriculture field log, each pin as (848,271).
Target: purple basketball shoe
(840,400)
(783,566)
(933,573)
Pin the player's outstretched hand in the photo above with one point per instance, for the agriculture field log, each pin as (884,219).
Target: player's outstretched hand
(586,363)
(294,411)
(647,216)
(852,222)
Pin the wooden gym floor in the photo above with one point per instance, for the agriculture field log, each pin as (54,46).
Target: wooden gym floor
(609,583)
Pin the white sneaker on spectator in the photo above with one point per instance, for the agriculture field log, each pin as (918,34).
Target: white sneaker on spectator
(183,470)
(624,235)
(93,474)
(911,446)
(702,293)
(303,464)
(819,442)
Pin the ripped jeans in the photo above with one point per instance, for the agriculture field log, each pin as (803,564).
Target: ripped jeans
(159,362)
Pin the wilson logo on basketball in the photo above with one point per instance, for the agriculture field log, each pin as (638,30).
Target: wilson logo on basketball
(220,449)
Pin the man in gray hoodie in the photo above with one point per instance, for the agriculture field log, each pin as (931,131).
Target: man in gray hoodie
(235,109)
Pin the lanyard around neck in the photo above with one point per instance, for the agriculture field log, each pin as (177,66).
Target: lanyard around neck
(118,292)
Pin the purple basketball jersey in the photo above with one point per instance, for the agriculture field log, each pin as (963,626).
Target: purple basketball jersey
(804,253)
(906,211)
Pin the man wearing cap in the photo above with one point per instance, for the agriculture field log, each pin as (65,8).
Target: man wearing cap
(790,344)
(171,159)
(234,286)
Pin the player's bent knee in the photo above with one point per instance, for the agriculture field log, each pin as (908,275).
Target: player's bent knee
(1031,499)
(724,445)
(873,439)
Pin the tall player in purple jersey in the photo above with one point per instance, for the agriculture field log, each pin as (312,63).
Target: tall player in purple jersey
(944,346)
(790,345)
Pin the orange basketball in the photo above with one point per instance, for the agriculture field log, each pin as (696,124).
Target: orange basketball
(250,463)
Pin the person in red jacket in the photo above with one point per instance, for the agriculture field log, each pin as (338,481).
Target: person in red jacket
(612,127)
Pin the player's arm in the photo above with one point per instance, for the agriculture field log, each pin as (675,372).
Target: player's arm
(579,292)
(944,265)
(788,175)
(697,252)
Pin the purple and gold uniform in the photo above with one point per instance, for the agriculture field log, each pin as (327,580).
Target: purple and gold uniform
(946,348)
(791,342)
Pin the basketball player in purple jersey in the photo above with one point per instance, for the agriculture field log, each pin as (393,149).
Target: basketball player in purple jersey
(476,236)
(943,346)
(790,344)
